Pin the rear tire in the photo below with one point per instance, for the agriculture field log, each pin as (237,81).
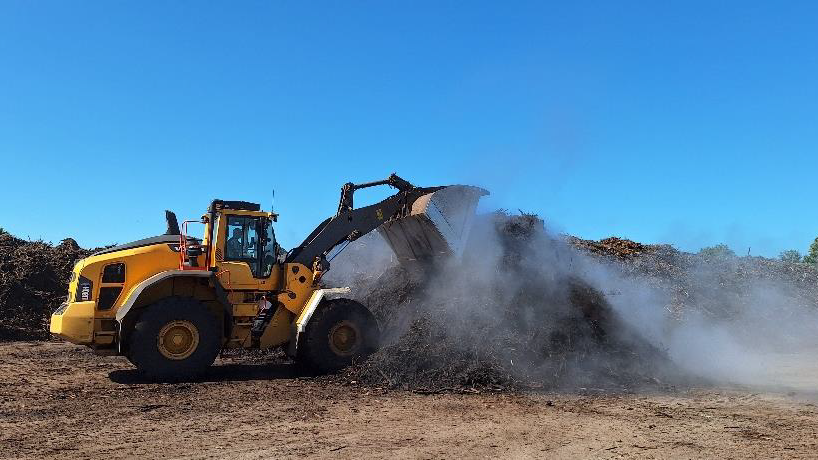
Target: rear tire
(340,332)
(174,339)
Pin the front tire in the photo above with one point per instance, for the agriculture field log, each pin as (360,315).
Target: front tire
(175,339)
(340,332)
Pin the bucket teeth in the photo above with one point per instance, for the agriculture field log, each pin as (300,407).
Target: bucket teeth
(438,224)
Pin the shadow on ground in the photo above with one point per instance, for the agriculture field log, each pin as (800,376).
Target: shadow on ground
(223,373)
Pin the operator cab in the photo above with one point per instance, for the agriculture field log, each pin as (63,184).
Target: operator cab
(245,240)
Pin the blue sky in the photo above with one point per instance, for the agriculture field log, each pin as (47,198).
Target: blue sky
(691,123)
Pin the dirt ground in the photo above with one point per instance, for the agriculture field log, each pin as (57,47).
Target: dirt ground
(60,401)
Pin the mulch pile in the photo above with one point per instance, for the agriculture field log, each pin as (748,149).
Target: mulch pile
(716,287)
(532,326)
(610,247)
(506,318)
(33,282)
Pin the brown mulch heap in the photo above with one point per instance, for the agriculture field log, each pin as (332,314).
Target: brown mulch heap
(511,316)
(716,287)
(613,246)
(33,283)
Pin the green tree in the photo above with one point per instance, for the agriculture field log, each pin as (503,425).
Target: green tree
(812,255)
(790,256)
(719,251)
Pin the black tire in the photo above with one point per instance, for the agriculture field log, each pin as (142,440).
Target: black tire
(320,353)
(174,317)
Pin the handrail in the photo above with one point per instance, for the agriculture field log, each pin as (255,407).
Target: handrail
(183,247)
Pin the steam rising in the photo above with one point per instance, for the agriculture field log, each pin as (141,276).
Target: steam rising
(748,321)
(524,306)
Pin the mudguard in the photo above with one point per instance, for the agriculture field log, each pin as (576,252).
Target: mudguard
(137,290)
(303,319)
(125,308)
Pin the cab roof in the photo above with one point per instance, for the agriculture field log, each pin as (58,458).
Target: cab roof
(236,205)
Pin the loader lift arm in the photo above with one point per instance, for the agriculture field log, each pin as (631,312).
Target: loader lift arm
(349,223)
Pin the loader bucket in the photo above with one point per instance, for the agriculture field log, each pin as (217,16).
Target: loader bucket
(437,226)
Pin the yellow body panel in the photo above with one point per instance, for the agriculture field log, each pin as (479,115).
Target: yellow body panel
(288,288)
(278,331)
(75,323)
(237,275)
(299,287)
(140,264)
(245,309)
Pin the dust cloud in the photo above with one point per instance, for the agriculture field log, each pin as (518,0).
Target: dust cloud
(511,312)
(524,307)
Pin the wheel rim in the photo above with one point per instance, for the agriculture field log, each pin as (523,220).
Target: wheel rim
(178,339)
(344,338)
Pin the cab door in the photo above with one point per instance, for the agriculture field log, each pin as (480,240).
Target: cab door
(246,261)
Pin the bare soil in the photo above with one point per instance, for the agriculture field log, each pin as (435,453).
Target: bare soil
(60,401)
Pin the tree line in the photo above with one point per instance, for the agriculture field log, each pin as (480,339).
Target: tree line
(791,256)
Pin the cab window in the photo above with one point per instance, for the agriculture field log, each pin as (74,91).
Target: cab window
(250,239)
(241,238)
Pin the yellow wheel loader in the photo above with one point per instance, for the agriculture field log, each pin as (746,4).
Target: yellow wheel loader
(170,303)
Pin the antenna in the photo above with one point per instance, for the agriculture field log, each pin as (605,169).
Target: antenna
(273,202)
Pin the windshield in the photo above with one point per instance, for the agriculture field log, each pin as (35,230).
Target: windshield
(241,240)
(251,240)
